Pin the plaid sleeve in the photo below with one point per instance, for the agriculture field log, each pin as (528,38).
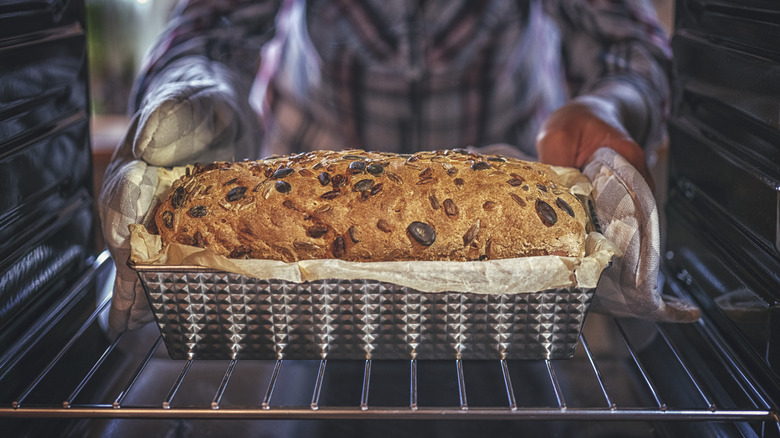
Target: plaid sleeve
(617,40)
(231,32)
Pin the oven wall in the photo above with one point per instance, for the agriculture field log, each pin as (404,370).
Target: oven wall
(724,187)
(47,216)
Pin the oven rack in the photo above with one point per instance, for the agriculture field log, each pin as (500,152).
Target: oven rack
(698,357)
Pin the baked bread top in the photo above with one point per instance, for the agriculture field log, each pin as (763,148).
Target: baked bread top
(374,206)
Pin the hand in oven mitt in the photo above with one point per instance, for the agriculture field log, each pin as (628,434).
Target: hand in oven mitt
(191,114)
(628,216)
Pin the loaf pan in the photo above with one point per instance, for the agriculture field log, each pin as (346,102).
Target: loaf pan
(205,314)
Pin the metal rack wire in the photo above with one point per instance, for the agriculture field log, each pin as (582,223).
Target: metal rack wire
(733,398)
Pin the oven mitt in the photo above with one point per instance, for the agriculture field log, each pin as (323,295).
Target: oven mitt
(192,114)
(628,216)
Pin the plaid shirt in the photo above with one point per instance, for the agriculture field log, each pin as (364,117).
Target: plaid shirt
(409,75)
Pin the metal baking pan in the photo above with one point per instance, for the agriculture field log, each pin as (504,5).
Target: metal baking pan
(205,314)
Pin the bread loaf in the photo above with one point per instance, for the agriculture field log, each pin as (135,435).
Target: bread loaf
(372,206)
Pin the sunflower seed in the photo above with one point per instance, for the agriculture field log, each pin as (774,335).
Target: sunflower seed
(200,211)
(384,226)
(302,245)
(167,218)
(353,234)
(564,206)
(480,165)
(488,205)
(199,240)
(330,195)
(434,201)
(450,208)
(323,209)
(185,239)
(339,181)
(376,189)
(324,178)
(240,252)
(472,234)
(316,231)
(394,178)
(520,201)
(514,182)
(339,248)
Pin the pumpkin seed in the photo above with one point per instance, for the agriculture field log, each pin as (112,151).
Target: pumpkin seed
(375,169)
(283,187)
(178,197)
(422,233)
(546,213)
(282,172)
(357,166)
(363,185)
(236,193)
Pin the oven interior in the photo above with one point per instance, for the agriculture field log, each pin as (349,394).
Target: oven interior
(61,374)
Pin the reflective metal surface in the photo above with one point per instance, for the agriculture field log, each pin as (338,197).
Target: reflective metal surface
(218,315)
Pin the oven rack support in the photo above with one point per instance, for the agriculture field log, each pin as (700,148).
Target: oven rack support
(744,400)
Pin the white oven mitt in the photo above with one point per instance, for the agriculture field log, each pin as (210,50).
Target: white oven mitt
(193,114)
(628,216)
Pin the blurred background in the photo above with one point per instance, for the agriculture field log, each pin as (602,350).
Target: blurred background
(119,34)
